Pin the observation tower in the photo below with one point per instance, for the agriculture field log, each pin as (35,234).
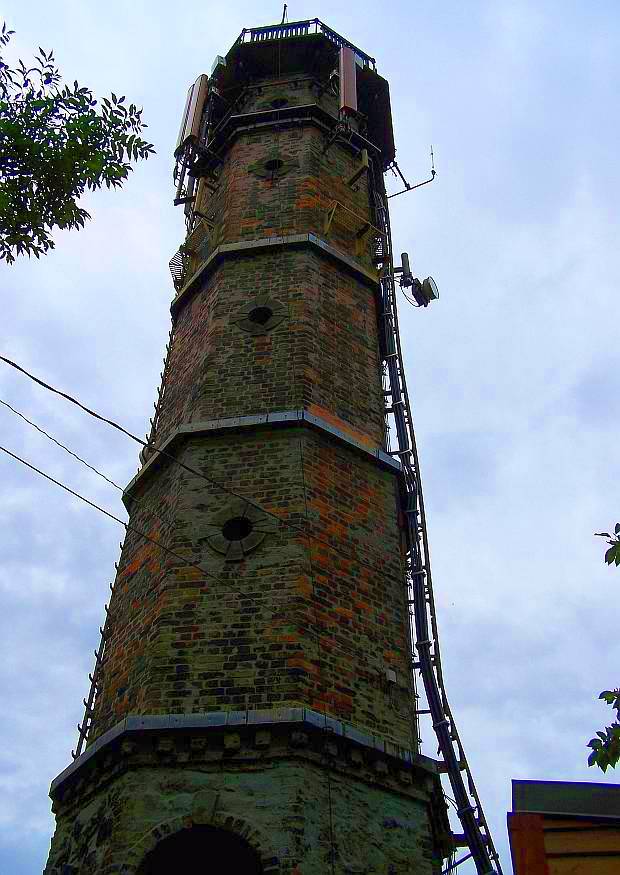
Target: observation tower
(253,706)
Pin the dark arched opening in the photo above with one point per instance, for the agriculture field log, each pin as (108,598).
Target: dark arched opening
(201,850)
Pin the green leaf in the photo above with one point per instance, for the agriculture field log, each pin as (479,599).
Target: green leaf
(592,758)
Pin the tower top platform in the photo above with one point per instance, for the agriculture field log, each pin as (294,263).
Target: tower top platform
(311,47)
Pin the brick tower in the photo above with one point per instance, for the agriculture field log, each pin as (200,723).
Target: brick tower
(252,703)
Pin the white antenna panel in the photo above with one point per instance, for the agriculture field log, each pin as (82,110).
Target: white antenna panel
(192,114)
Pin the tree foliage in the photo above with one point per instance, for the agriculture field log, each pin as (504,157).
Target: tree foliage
(606,746)
(55,143)
(612,554)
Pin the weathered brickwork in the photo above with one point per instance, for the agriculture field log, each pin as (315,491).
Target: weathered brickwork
(257,676)
(323,355)
(252,201)
(315,620)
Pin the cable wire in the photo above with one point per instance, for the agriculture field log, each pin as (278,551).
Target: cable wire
(50,437)
(66,449)
(212,481)
(127,526)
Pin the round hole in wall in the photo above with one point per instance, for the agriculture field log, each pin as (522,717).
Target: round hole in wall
(279,102)
(237,528)
(274,164)
(260,315)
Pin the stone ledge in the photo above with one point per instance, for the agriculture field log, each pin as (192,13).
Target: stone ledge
(302,723)
(245,247)
(237,423)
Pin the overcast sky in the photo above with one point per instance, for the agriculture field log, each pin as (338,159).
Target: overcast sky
(513,373)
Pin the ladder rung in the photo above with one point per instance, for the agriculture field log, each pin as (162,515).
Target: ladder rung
(418,665)
(442,767)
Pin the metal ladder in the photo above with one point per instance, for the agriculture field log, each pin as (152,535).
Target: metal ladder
(423,623)
(95,683)
(96,677)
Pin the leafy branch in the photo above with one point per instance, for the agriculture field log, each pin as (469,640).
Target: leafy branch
(612,555)
(606,746)
(56,142)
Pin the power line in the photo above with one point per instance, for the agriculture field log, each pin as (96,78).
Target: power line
(343,554)
(72,400)
(127,526)
(108,480)
(134,529)
(104,477)
(134,500)
(66,449)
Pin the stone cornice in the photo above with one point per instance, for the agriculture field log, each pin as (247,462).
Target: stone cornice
(384,756)
(246,247)
(268,420)
(250,740)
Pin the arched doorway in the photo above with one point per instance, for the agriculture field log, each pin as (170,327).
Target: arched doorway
(202,850)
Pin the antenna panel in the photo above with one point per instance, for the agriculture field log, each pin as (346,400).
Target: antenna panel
(192,114)
(184,119)
(348,81)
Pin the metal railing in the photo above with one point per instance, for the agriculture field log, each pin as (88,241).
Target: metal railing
(302,28)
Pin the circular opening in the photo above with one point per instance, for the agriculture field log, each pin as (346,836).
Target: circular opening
(279,102)
(237,528)
(260,315)
(274,164)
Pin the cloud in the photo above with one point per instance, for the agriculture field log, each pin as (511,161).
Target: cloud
(512,373)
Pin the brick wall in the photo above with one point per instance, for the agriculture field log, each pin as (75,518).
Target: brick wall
(323,354)
(313,621)
(326,615)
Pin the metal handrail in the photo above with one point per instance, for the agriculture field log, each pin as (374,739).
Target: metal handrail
(302,28)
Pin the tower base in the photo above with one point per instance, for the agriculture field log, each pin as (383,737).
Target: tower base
(287,791)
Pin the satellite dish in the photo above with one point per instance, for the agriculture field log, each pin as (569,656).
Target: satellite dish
(424,292)
(430,290)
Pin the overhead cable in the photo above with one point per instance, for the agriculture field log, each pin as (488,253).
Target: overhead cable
(62,446)
(166,455)
(127,526)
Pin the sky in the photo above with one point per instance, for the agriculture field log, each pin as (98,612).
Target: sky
(513,372)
